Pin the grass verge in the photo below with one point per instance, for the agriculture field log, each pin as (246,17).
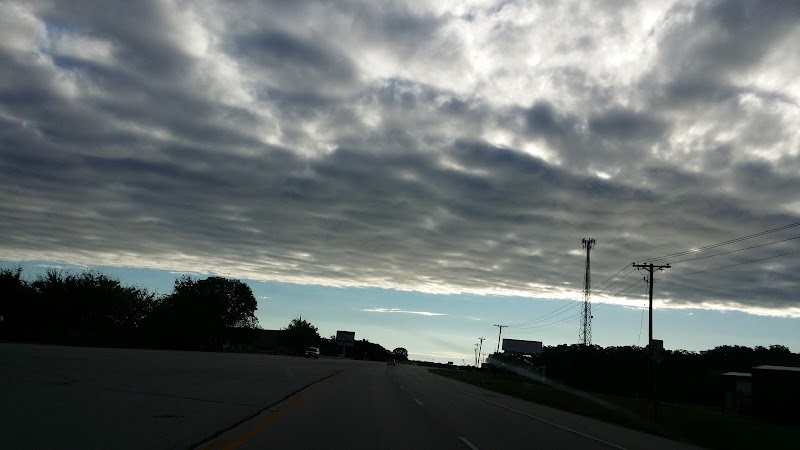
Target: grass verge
(706,427)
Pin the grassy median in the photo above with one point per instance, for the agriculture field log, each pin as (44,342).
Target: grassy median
(706,427)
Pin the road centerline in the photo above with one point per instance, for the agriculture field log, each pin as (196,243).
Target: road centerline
(296,397)
(300,398)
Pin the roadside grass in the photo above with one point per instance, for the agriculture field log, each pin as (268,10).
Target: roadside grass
(702,426)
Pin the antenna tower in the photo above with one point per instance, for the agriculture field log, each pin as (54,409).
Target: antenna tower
(585,331)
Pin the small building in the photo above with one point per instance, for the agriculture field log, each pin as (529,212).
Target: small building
(738,388)
(776,393)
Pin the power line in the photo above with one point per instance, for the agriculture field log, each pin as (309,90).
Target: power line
(544,317)
(735,251)
(572,305)
(569,305)
(568,318)
(564,308)
(603,305)
(765,290)
(627,288)
(576,303)
(548,325)
(720,244)
(731,265)
(612,276)
(609,286)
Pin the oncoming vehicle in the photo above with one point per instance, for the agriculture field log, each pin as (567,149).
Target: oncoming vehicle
(391,362)
(312,352)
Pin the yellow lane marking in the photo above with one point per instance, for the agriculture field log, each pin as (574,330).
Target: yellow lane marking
(261,425)
(214,443)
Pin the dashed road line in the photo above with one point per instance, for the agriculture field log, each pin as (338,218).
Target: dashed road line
(467,443)
(531,416)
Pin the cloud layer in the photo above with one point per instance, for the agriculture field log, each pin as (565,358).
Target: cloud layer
(462,147)
(403,311)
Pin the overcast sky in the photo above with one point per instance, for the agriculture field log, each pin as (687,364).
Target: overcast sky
(438,147)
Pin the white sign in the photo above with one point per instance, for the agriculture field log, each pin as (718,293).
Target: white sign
(345,338)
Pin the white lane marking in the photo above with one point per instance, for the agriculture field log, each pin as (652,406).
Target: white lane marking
(402,387)
(532,417)
(468,443)
(418,402)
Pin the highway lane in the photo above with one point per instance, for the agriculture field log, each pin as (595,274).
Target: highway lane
(68,397)
(379,407)
(359,408)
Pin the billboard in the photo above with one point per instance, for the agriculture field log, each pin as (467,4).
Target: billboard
(520,346)
(345,338)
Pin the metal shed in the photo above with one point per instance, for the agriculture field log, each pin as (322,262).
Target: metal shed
(776,393)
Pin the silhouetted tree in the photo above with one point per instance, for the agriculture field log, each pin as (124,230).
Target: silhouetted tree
(300,334)
(88,309)
(682,375)
(199,314)
(16,306)
(370,351)
(400,354)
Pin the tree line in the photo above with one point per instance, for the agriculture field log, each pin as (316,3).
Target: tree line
(93,309)
(301,334)
(682,376)
(213,314)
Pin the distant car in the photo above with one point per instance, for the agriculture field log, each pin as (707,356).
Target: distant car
(391,362)
(312,352)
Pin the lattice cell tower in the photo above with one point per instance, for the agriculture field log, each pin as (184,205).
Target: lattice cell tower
(585,331)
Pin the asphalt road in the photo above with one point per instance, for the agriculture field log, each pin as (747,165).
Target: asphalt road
(67,397)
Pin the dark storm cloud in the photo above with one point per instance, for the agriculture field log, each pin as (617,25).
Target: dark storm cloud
(626,124)
(542,119)
(293,63)
(302,142)
(743,32)
(723,39)
(140,32)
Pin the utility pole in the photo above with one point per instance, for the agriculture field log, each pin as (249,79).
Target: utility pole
(476,355)
(650,372)
(585,330)
(480,348)
(498,336)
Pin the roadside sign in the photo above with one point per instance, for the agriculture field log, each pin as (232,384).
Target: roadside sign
(345,338)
